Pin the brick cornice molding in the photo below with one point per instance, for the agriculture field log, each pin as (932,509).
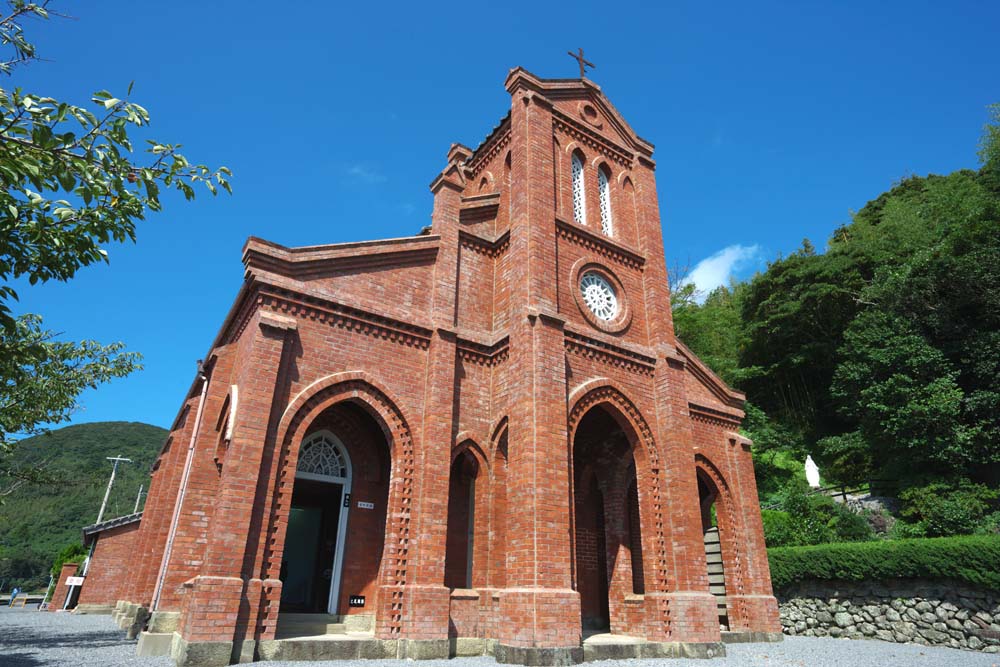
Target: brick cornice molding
(728,396)
(271,320)
(485,246)
(599,244)
(616,356)
(570,127)
(714,416)
(451,178)
(490,148)
(300,263)
(475,202)
(483,355)
(344,317)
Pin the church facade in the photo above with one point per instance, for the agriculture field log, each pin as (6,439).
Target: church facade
(481,439)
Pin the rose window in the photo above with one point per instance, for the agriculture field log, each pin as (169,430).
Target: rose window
(599,296)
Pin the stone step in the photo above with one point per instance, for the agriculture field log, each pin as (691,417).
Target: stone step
(312,625)
(154,644)
(320,624)
(353,646)
(622,647)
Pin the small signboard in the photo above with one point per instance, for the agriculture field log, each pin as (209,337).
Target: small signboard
(74,581)
(356,601)
(366,506)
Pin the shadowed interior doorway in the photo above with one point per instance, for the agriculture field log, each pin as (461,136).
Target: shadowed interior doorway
(314,541)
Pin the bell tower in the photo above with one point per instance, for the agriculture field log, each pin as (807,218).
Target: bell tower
(562,195)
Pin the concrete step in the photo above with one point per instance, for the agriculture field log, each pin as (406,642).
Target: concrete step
(309,625)
(285,630)
(622,647)
(350,646)
(154,644)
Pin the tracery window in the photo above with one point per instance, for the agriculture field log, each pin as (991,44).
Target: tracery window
(604,189)
(320,456)
(599,295)
(579,196)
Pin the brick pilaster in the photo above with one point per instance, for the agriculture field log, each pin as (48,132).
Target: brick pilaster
(218,602)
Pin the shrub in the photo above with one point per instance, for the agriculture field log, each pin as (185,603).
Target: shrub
(817,519)
(941,509)
(779,530)
(972,559)
(990,525)
(73,553)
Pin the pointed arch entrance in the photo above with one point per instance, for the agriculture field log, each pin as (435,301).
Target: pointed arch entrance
(312,563)
(607,528)
(336,525)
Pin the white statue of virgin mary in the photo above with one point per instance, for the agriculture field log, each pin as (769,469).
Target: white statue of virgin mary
(812,472)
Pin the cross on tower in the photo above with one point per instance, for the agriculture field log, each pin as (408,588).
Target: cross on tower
(583,63)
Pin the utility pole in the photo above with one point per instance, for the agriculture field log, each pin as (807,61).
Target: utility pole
(115,460)
(107,493)
(137,499)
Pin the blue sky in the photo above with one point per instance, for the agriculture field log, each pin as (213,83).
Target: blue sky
(772,121)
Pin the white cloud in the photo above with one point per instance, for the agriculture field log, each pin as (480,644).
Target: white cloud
(717,269)
(365,174)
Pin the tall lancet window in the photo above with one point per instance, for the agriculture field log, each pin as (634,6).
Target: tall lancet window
(605,192)
(579,197)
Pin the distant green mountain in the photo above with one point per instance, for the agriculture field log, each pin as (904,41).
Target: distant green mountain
(37,521)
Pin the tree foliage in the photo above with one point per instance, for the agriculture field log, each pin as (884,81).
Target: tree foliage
(40,379)
(881,355)
(70,179)
(73,179)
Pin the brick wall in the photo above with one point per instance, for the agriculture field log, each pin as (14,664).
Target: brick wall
(114,556)
(62,591)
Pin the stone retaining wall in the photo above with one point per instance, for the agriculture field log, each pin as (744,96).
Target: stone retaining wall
(936,613)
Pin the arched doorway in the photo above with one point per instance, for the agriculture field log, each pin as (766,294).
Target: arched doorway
(335,535)
(460,546)
(317,520)
(607,532)
(708,494)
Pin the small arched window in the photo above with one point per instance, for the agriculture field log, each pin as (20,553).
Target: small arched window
(604,190)
(579,196)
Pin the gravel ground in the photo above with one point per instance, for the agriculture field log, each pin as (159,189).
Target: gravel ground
(31,639)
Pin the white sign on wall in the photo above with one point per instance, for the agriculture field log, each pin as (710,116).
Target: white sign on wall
(74,581)
(366,506)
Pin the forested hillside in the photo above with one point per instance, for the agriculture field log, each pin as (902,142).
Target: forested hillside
(880,356)
(38,520)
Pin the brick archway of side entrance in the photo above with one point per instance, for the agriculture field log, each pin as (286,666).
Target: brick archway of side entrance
(728,521)
(369,394)
(649,477)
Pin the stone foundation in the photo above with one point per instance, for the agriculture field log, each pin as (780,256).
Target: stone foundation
(907,611)
(104,609)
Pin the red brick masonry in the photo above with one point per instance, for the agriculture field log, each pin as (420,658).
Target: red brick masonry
(111,565)
(62,590)
(530,467)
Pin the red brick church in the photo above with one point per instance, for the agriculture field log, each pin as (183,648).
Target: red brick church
(483,439)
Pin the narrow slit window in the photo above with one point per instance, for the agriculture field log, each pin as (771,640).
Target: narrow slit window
(604,189)
(579,197)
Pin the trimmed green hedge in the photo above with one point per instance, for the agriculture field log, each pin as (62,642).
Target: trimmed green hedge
(974,559)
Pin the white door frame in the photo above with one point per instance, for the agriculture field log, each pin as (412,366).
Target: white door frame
(345,488)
